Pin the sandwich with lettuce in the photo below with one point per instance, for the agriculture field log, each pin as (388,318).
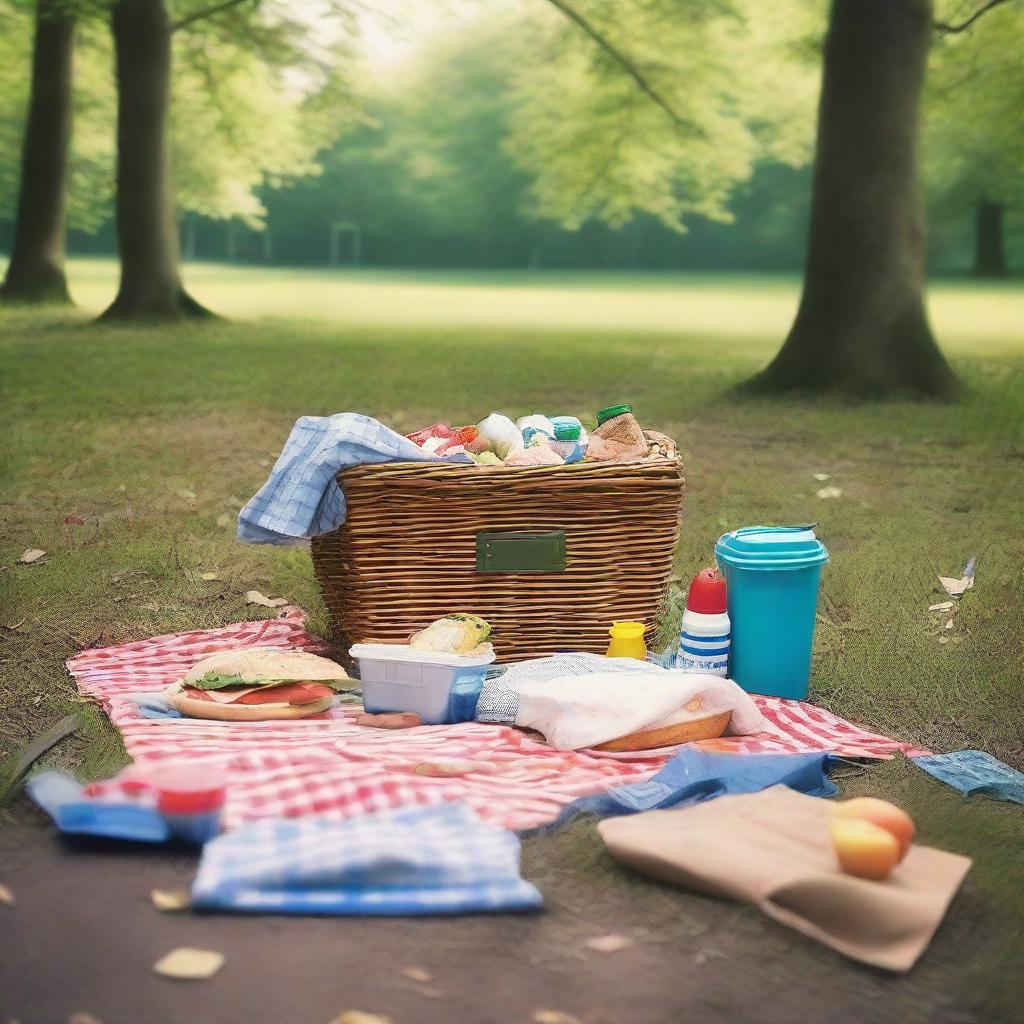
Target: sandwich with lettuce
(258,684)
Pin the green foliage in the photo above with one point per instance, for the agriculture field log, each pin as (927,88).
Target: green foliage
(732,73)
(427,167)
(15,29)
(247,110)
(447,114)
(974,127)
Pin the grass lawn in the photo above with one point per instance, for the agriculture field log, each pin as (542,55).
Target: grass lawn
(157,436)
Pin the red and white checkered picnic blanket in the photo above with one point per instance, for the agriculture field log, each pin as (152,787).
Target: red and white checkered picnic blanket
(328,766)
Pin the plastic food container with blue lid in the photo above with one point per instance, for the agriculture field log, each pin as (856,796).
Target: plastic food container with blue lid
(441,688)
(773,575)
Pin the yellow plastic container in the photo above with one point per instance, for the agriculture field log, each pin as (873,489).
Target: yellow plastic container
(627,641)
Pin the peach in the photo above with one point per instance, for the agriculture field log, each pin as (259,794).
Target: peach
(881,813)
(864,849)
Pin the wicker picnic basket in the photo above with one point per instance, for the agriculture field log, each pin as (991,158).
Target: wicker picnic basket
(549,555)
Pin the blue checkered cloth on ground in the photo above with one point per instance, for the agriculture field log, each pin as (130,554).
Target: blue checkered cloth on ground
(301,498)
(974,771)
(423,860)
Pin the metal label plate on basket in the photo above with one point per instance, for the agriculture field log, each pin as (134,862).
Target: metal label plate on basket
(520,552)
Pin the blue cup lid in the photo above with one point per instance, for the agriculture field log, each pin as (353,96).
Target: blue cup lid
(771,547)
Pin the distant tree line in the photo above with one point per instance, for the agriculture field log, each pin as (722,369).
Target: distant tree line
(621,120)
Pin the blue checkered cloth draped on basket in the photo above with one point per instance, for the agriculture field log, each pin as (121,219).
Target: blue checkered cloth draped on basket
(301,498)
(423,860)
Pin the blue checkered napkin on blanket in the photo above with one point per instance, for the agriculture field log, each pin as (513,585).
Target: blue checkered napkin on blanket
(422,860)
(301,498)
(974,771)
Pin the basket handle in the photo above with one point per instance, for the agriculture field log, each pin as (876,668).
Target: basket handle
(520,552)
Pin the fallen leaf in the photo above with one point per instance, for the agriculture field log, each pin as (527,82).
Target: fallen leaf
(223,520)
(417,974)
(949,625)
(943,639)
(830,492)
(955,588)
(360,1017)
(150,606)
(942,606)
(169,901)
(6,896)
(264,463)
(83,1018)
(185,493)
(74,520)
(554,1017)
(822,477)
(610,943)
(208,576)
(255,597)
(189,964)
(31,555)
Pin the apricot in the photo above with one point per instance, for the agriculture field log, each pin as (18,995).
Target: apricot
(864,849)
(881,813)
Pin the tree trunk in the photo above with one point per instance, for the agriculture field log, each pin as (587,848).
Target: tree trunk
(861,328)
(36,270)
(147,235)
(989,254)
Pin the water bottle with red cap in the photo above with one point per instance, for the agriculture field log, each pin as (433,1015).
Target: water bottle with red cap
(704,633)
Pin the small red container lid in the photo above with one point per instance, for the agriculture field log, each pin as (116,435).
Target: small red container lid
(707,593)
(187,789)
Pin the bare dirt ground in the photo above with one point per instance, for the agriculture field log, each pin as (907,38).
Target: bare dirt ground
(83,935)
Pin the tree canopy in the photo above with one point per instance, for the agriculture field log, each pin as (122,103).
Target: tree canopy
(973,126)
(249,109)
(736,87)
(508,125)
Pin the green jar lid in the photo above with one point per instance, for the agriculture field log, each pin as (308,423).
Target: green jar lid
(612,411)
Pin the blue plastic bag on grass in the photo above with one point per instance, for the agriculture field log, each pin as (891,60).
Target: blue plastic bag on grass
(693,776)
(974,771)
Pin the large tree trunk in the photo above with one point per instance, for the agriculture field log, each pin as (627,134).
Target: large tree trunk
(36,270)
(861,328)
(147,235)
(989,254)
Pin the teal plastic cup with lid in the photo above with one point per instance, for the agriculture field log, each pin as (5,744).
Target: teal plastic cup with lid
(772,575)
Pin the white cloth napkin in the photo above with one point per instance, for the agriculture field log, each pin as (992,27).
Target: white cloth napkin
(580,711)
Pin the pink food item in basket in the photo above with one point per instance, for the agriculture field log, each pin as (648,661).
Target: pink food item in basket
(434,437)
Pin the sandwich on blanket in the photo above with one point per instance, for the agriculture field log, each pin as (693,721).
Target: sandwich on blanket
(257,684)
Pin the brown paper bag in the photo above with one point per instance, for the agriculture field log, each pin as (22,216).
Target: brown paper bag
(773,849)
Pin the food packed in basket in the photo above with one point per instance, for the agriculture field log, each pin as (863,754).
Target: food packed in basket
(540,440)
